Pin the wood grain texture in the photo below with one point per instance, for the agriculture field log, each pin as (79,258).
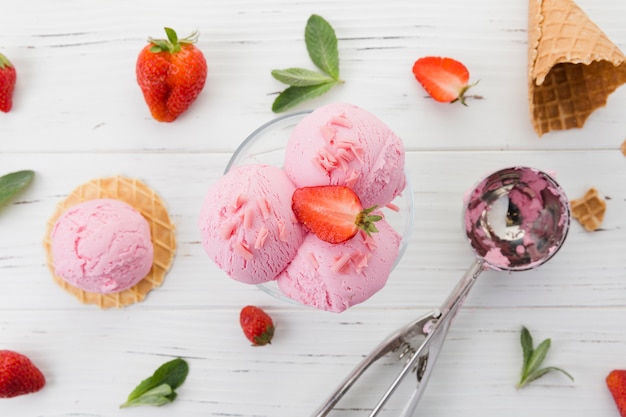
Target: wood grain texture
(78,114)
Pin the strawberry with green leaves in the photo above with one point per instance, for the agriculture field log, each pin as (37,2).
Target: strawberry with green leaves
(257,325)
(334,213)
(616,381)
(444,79)
(18,375)
(171,73)
(8,76)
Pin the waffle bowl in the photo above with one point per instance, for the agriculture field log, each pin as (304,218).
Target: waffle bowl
(572,66)
(138,195)
(266,145)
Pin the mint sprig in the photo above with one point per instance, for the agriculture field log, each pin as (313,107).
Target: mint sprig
(13,183)
(159,389)
(533,358)
(305,84)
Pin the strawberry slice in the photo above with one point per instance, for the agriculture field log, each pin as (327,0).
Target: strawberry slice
(445,79)
(332,212)
(616,381)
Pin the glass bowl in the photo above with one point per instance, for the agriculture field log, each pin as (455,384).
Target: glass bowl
(266,145)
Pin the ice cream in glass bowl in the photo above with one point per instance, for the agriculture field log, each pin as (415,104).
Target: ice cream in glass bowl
(249,229)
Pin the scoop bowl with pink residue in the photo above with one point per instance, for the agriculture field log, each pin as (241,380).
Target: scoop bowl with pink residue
(516,218)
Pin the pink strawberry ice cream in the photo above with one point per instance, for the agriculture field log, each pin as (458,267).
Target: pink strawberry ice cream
(247,225)
(102,246)
(333,277)
(341,144)
(249,229)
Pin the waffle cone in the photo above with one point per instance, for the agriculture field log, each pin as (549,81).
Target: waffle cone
(138,195)
(572,66)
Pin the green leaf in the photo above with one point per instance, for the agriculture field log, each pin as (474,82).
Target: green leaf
(172,374)
(13,183)
(293,96)
(300,77)
(172,44)
(171,35)
(157,397)
(533,358)
(541,372)
(527,346)
(321,43)
(4,62)
(304,84)
(537,357)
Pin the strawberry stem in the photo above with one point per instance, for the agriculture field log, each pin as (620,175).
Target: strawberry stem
(4,62)
(365,221)
(172,44)
(462,97)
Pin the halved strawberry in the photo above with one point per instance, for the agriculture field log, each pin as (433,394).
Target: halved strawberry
(445,79)
(334,213)
(616,381)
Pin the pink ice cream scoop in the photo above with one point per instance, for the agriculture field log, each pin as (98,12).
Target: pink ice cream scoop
(342,144)
(102,246)
(247,225)
(334,277)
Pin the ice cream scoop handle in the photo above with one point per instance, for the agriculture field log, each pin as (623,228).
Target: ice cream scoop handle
(416,329)
(429,350)
(431,328)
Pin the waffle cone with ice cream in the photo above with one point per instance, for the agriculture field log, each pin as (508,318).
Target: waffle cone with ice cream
(143,199)
(572,66)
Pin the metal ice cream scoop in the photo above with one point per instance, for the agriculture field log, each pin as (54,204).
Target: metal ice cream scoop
(515,219)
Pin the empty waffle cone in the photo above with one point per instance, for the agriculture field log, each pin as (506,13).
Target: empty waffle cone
(572,66)
(589,210)
(138,195)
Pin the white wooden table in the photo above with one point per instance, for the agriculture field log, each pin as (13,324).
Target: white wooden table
(79,114)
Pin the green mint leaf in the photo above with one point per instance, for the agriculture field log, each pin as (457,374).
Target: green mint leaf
(156,396)
(172,373)
(527,346)
(538,356)
(321,43)
(13,183)
(541,372)
(533,358)
(300,77)
(293,96)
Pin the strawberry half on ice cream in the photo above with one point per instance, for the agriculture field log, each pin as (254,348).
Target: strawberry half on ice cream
(333,212)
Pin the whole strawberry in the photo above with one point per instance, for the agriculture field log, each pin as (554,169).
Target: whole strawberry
(171,73)
(7,83)
(257,325)
(444,79)
(616,381)
(332,212)
(18,375)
